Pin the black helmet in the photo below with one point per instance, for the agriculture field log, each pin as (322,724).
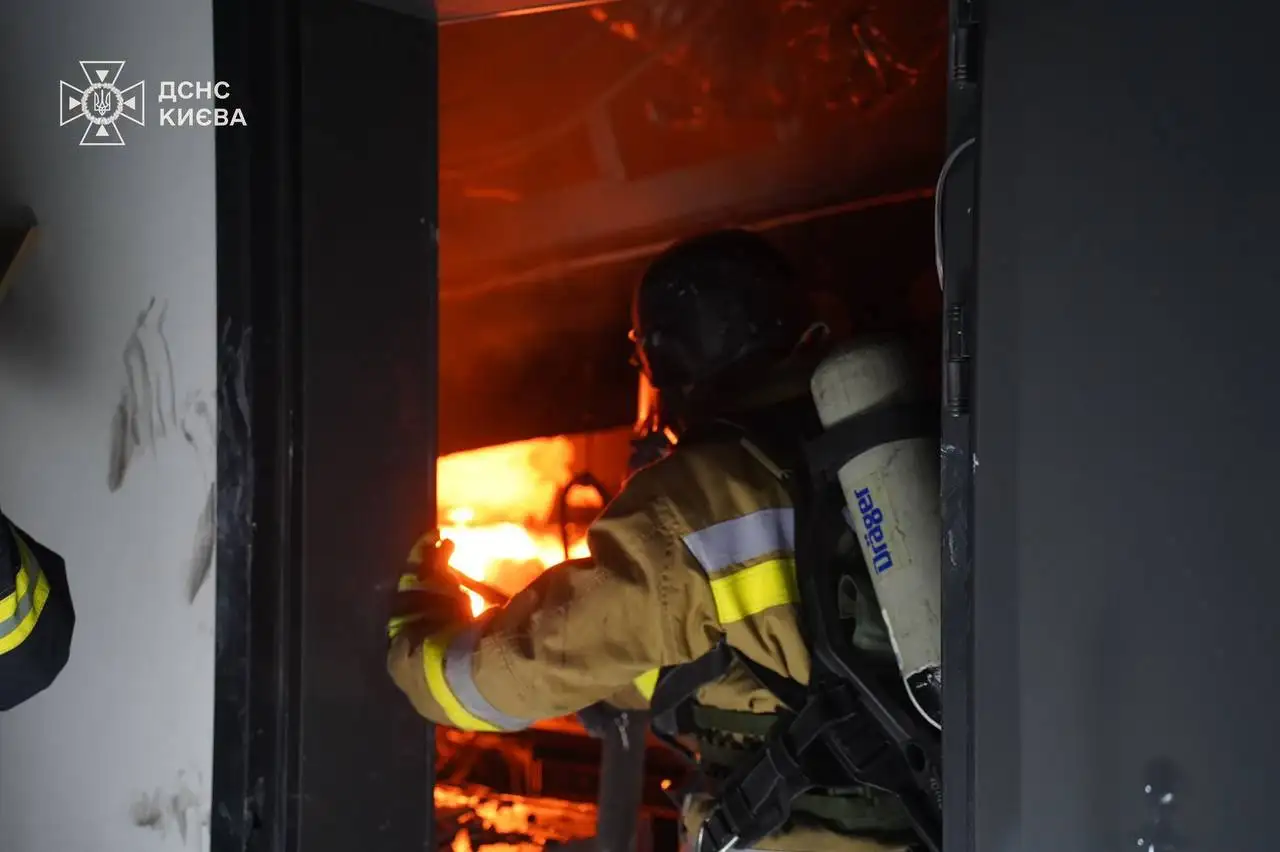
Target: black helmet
(713,307)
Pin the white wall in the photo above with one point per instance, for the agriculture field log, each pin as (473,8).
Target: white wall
(117,754)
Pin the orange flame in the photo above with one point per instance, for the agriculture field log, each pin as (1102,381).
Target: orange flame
(499,508)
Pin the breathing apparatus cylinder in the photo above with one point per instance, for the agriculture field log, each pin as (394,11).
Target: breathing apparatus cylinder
(892,495)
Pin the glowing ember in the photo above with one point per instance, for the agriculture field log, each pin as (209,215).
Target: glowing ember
(498,505)
(504,823)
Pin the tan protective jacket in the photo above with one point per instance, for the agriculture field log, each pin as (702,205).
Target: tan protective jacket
(697,546)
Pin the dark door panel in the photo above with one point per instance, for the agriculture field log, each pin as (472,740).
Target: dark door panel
(1125,543)
(327,416)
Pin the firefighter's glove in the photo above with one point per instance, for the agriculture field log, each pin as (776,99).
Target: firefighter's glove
(429,598)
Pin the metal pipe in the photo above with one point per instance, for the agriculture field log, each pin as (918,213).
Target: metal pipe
(621,789)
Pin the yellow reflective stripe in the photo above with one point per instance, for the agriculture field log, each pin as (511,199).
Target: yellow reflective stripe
(433,659)
(751,591)
(397,623)
(15,637)
(646,683)
(20,611)
(9,603)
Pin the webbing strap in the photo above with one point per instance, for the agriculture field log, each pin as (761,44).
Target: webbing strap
(854,809)
(853,436)
(864,810)
(757,799)
(740,722)
(849,810)
(789,692)
(678,684)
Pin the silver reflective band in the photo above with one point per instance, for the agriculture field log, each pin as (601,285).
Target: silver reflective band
(457,674)
(724,545)
(25,604)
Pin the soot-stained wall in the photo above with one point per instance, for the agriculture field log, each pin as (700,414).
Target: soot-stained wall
(107,451)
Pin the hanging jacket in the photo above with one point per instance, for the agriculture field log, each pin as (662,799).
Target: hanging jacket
(698,548)
(36,616)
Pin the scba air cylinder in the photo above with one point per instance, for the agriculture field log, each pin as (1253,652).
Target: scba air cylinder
(892,493)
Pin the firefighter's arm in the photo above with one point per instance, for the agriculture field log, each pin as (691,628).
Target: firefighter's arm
(16,589)
(583,632)
(36,616)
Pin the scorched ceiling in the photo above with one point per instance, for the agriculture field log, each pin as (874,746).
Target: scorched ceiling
(574,144)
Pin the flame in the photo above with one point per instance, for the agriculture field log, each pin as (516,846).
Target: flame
(499,507)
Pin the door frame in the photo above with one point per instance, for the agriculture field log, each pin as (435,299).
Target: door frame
(326,409)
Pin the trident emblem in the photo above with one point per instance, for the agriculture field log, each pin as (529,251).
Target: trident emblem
(102,101)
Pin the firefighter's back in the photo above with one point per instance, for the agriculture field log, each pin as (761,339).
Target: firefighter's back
(737,520)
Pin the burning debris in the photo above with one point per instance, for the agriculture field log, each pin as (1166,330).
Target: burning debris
(471,819)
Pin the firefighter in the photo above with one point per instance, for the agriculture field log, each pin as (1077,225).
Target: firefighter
(694,556)
(36,616)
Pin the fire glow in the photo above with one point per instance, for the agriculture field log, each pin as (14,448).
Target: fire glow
(498,507)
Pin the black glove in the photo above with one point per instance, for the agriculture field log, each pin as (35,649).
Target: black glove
(429,598)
